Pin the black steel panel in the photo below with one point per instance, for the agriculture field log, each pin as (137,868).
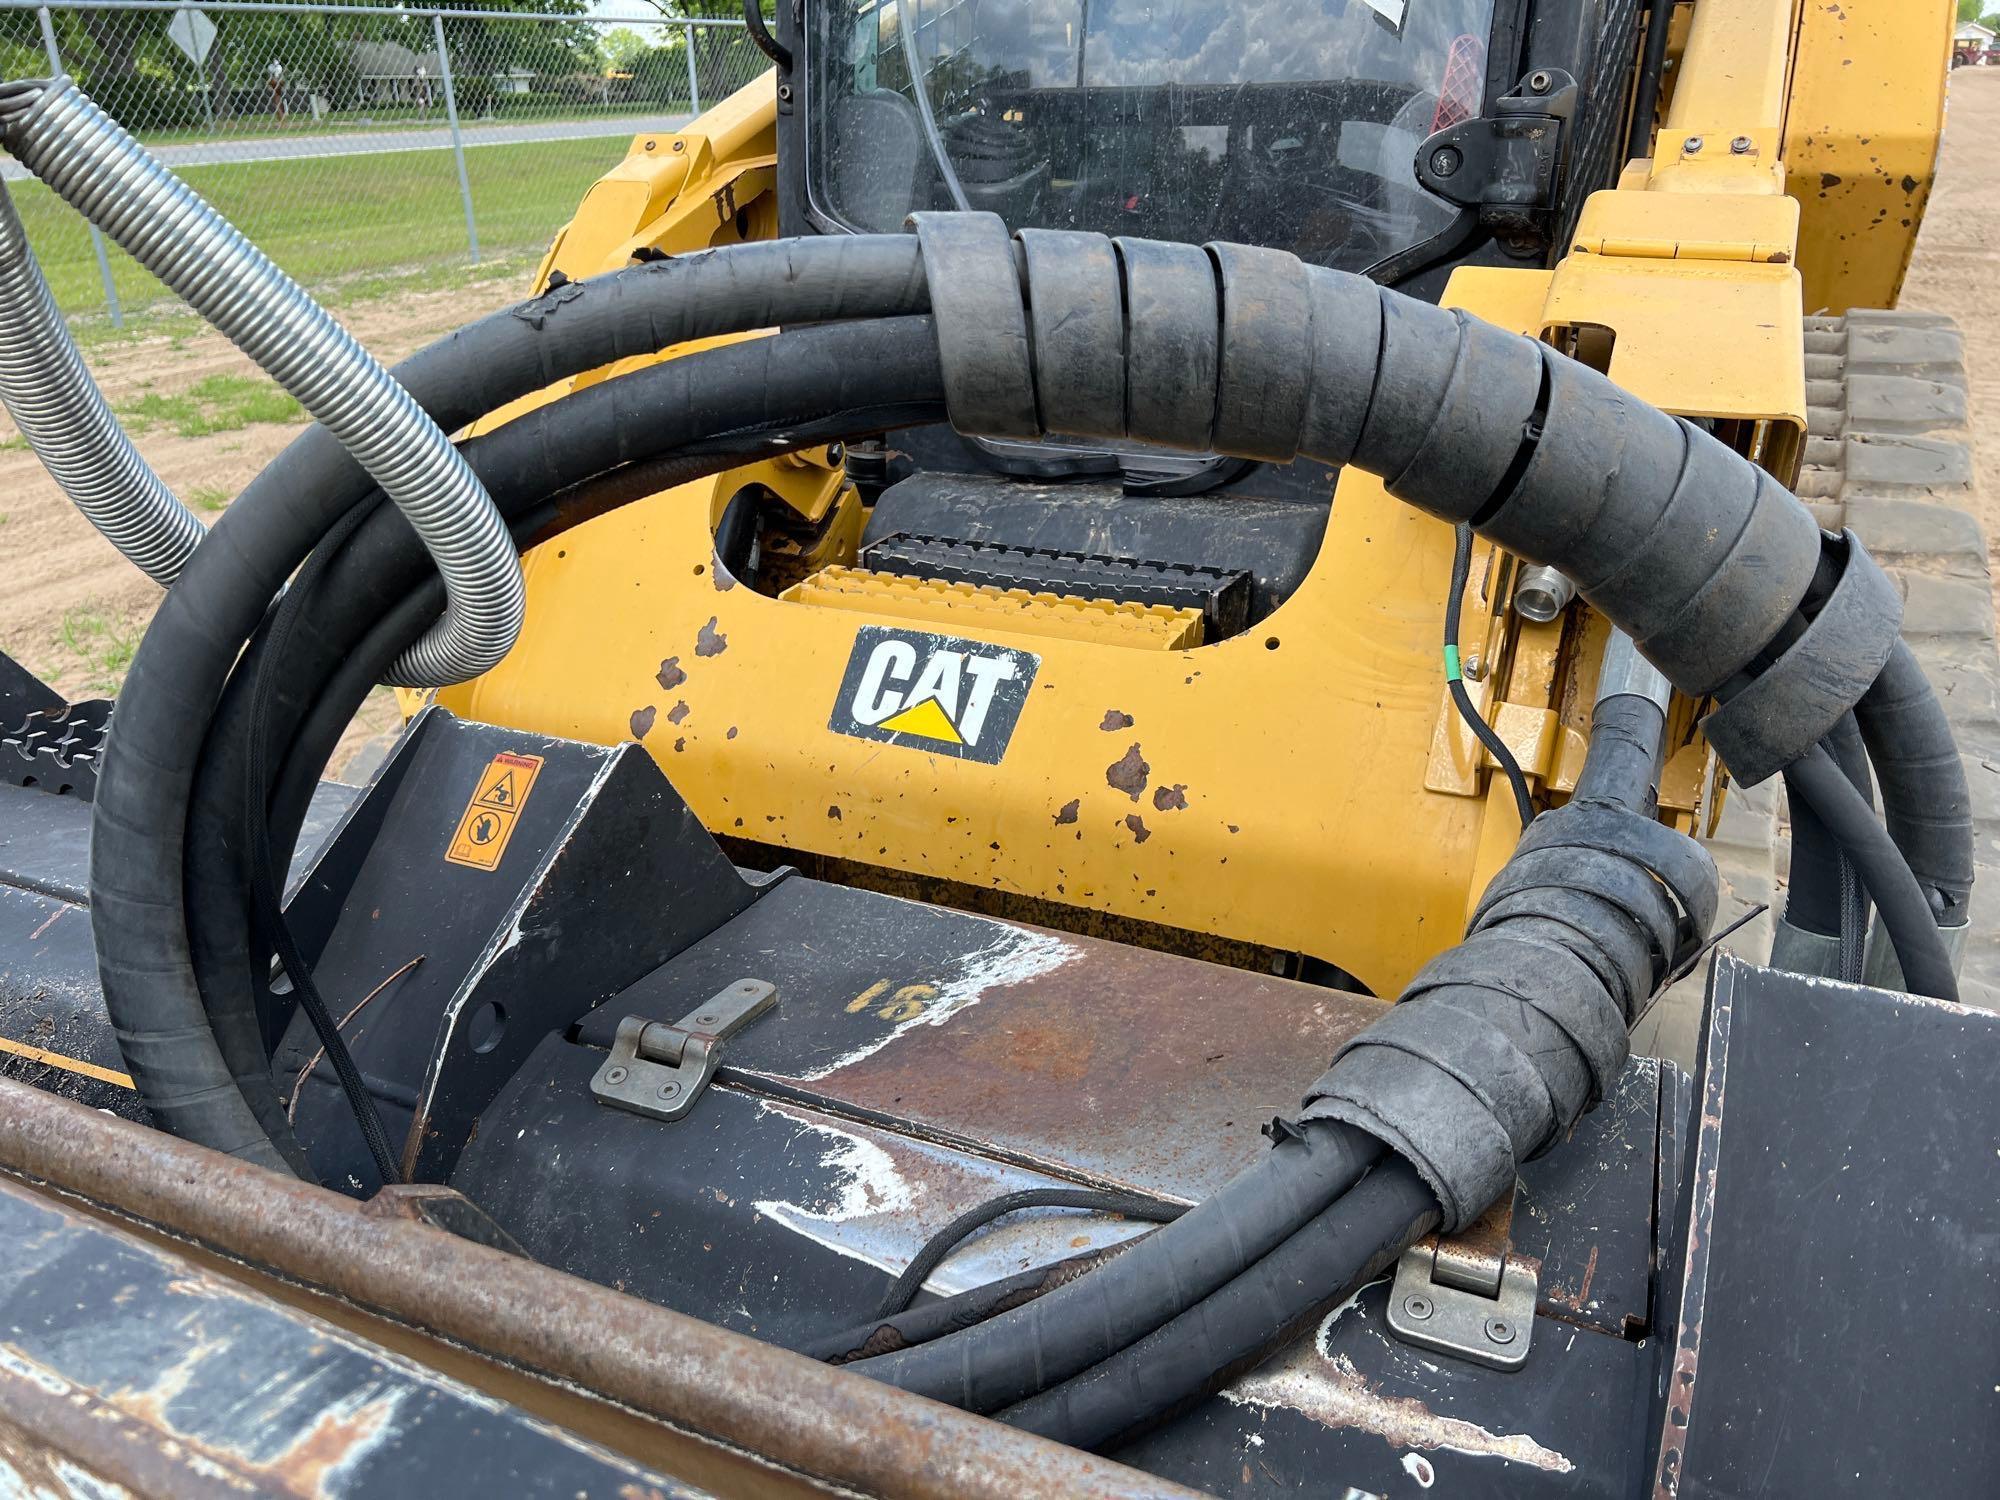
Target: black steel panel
(1351,1409)
(450,975)
(1839,1327)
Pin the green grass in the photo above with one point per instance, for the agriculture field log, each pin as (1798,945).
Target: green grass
(354,225)
(208,497)
(99,644)
(219,403)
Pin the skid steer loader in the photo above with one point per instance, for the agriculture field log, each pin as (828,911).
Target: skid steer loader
(1151,647)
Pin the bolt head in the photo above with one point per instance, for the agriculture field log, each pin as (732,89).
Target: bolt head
(1539,82)
(669,1090)
(704,1019)
(1445,161)
(1418,1307)
(1691,146)
(615,1075)
(1500,1330)
(784,91)
(1741,145)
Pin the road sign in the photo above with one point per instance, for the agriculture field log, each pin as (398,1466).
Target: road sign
(193,33)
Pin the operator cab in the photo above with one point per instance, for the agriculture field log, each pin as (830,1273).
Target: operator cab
(1398,139)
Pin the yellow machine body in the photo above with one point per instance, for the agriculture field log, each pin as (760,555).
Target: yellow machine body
(1302,789)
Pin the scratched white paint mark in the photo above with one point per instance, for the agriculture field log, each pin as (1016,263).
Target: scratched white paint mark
(1015,956)
(864,1187)
(1322,1385)
(1419,1468)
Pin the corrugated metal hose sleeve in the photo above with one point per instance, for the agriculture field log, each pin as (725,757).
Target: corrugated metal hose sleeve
(90,161)
(64,417)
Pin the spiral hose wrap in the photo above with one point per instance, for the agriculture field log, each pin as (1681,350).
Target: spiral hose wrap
(64,417)
(90,161)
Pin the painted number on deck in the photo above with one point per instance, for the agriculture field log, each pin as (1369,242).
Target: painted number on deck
(496,804)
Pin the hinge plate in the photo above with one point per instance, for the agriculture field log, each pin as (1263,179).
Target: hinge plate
(1468,1295)
(658,1070)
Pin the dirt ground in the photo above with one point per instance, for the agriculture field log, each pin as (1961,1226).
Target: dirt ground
(70,607)
(1957,259)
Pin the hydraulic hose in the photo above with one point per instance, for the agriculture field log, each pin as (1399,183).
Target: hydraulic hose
(1345,1246)
(584,437)
(138,846)
(68,424)
(90,161)
(1906,914)
(1500,1043)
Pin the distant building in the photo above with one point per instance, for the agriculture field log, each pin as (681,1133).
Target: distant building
(391,73)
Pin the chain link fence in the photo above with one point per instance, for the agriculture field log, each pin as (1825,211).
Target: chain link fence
(359,145)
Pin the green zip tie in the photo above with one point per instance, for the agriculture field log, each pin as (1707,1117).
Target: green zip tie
(1451,672)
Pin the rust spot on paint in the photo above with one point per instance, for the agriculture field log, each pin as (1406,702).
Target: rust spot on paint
(1115,719)
(678,712)
(1140,832)
(834,813)
(1128,773)
(1170,798)
(1067,812)
(642,720)
(710,641)
(732,733)
(680,744)
(1829,180)
(670,675)
(1910,183)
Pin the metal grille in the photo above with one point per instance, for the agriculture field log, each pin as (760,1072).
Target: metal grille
(356,143)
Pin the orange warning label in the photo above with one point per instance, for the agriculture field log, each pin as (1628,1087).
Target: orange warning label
(490,816)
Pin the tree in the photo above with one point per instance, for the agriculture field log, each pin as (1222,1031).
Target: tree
(1968,10)
(724,56)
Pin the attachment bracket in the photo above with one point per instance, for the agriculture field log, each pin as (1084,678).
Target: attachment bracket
(658,1070)
(1468,1295)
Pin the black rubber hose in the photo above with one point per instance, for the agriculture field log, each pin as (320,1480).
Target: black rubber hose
(1815,896)
(1925,796)
(935,1319)
(1622,764)
(138,913)
(1094,1200)
(263,881)
(1013,1356)
(815,380)
(1346,1246)
(1461,570)
(1906,915)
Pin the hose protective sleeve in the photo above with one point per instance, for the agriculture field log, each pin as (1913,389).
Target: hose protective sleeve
(1501,1043)
(1797,700)
(1688,547)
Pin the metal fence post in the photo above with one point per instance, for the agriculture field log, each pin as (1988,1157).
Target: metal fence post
(96,238)
(457,141)
(694,85)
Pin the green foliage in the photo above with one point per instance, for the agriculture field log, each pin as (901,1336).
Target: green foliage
(1968,10)
(210,497)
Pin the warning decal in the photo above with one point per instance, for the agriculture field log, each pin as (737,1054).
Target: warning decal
(490,816)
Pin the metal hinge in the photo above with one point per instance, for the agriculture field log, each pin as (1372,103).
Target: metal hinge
(1508,165)
(659,1070)
(1468,1294)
